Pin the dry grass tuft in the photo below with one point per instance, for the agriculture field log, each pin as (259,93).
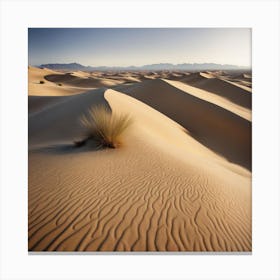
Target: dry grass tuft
(104,127)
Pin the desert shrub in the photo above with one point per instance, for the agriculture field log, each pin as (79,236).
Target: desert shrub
(42,82)
(104,127)
(59,84)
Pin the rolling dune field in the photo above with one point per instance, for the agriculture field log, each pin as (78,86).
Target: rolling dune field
(181,180)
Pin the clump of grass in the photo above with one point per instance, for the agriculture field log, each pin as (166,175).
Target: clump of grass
(59,84)
(104,127)
(42,82)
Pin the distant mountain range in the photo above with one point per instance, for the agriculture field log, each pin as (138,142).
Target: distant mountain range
(161,66)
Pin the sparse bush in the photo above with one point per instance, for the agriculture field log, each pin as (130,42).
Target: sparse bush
(42,82)
(59,84)
(103,127)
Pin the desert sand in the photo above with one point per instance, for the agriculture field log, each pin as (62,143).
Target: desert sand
(181,181)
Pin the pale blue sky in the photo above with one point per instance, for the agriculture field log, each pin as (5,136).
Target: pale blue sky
(139,46)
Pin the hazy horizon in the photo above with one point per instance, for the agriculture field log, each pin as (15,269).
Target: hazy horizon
(124,47)
(127,66)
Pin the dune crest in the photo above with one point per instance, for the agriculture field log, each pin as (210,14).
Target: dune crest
(221,87)
(221,130)
(39,86)
(213,98)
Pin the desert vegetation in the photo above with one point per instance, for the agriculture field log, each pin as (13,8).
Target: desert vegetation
(42,82)
(103,128)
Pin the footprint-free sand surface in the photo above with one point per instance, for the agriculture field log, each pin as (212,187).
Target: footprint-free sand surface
(181,181)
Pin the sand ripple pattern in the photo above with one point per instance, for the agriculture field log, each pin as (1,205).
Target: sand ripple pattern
(161,207)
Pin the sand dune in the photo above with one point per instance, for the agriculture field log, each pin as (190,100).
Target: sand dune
(180,182)
(167,197)
(243,76)
(221,130)
(35,75)
(222,88)
(79,81)
(213,98)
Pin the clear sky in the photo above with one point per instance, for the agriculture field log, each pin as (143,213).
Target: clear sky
(139,46)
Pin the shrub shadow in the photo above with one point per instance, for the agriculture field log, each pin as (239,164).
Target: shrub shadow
(69,148)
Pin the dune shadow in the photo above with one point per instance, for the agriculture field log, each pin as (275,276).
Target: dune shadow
(221,88)
(218,129)
(57,149)
(67,148)
(58,119)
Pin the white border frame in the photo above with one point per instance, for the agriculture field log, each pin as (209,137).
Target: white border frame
(262,16)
